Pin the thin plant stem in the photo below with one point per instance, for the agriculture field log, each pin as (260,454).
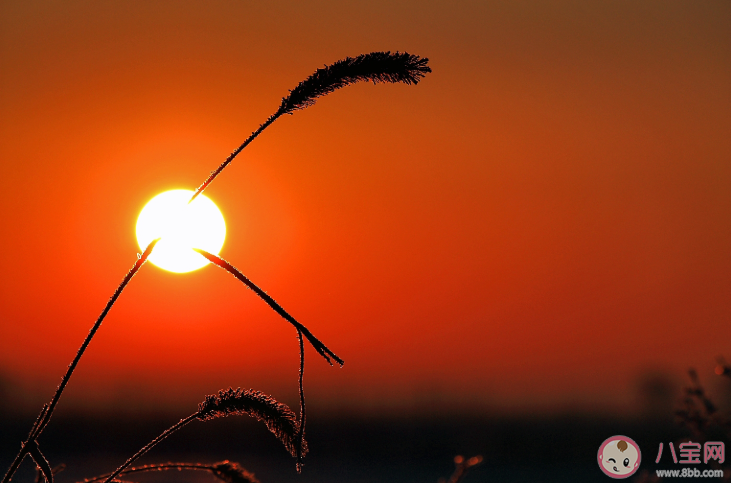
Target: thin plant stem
(301,432)
(47,411)
(226,471)
(16,462)
(25,447)
(38,420)
(41,461)
(235,153)
(52,405)
(158,467)
(180,424)
(319,346)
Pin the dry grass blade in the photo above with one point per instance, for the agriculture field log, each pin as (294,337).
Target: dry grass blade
(227,471)
(375,67)
(277,417)
(319,346)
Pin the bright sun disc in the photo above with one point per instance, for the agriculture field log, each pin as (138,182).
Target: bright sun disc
(181,226)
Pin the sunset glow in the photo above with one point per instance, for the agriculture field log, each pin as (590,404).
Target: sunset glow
(181,226)
(549,208)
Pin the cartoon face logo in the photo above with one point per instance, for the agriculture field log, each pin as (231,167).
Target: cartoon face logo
(619,457)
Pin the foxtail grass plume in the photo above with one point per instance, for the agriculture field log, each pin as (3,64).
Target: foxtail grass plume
(376,67)
(277,417)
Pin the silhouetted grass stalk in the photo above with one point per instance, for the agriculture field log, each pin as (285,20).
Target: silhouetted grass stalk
(319,346)
(227,471)
(301,433)
(41,461)
(278,418)
(47,411)
(179,425)
(41,477)
(375,67)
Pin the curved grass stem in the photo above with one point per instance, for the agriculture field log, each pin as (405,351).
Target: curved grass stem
(180,424)
(374,67)
(157,467)
(226,471)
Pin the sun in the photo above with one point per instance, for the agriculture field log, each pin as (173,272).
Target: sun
(181,226)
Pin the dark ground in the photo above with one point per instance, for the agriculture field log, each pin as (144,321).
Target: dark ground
(344,449)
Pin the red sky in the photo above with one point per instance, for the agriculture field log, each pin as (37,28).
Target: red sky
(540,222)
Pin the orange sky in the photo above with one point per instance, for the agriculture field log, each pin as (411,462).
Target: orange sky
(542,220)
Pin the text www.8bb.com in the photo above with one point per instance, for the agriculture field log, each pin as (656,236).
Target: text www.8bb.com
(689,473)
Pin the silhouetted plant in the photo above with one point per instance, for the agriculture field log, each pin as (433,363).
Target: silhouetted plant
(701,416)
(319,346)
(226,471)
(277,417)
(375,67)
(30,445)
(40,477)
(461,466)
(722,369)
(698,412)
(280,419)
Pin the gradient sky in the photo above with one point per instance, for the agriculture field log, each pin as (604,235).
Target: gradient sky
(540,222)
